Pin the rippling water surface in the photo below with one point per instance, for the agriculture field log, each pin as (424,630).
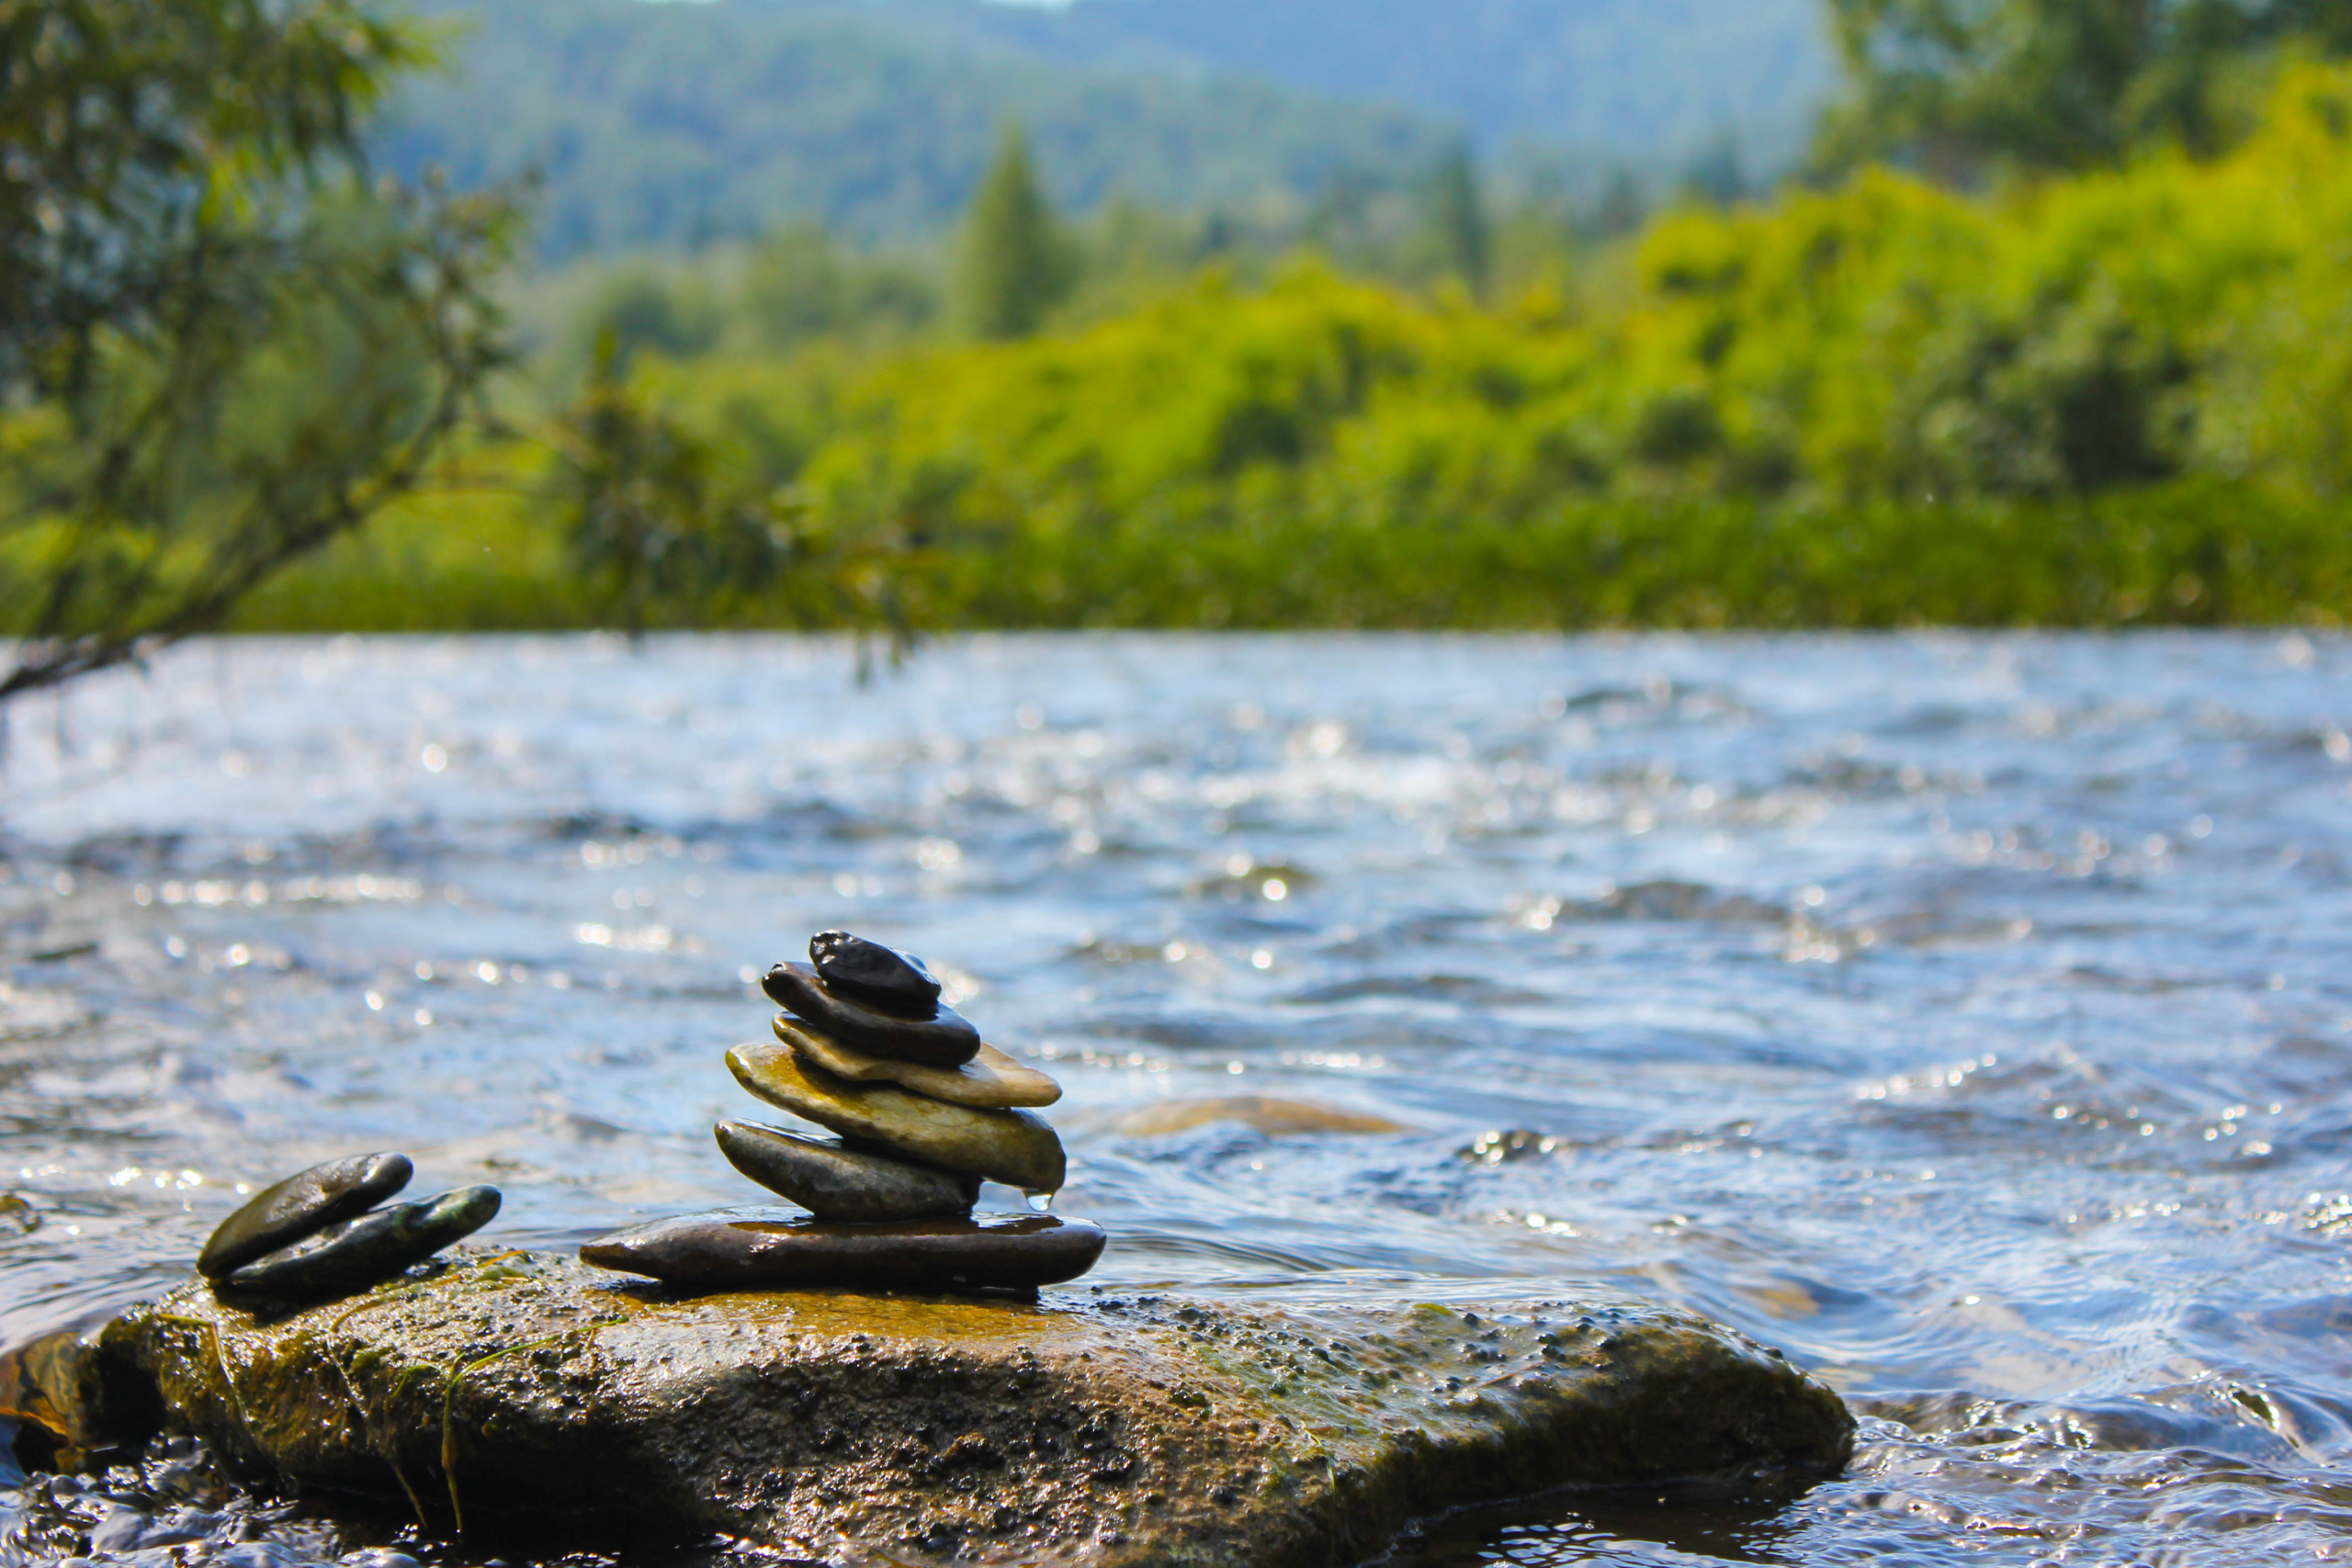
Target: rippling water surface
(1970,1016)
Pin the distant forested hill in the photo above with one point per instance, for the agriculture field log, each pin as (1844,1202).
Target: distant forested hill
(661,124)
(1642,80)
(656,124)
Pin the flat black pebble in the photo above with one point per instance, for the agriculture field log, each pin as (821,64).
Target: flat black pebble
(946,1038)
(374,1247)
(735,1251)
(310,1201)
(881,976)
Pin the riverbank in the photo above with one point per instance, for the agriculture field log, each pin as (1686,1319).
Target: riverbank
(2203,554)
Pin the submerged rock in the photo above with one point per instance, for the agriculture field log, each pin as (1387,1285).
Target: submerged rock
(991,1081)
(732,1250)
(306,1202)
(894,981)
(1010,1147)
(836,1183)
(1274,1117)
(863,1430)
(353,1253)
(941,1038)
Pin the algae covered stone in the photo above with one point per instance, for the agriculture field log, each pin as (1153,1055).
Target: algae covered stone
(304,1203)
(1251,1430)
(991,1081)
(837,1183)
(732,1251)
(1010,1147)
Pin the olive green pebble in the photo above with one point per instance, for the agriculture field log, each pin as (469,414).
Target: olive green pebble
(836,1183)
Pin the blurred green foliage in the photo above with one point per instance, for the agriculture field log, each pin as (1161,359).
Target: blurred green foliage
(2110,397)
(1959,86)
(219,346)
(1883,341)
(2114,393)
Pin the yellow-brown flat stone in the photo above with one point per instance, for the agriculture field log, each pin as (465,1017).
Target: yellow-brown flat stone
(1011,1146)
(990,1081)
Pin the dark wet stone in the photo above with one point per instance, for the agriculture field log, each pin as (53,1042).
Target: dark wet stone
(836,1183)
(882,977)
(946,1038)
(735,1251)
(355,1253)
(1011,1146)
(308,1202)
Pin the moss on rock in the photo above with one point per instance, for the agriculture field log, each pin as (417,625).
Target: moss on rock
(867,1429)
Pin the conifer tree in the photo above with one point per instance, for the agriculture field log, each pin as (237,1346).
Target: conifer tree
(1458,219)
(1017,263)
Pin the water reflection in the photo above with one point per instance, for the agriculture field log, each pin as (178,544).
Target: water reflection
(1966,1016)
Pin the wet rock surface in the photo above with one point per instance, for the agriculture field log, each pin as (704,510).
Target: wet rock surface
(878,976)
(863,1430)
(990,1081)
(306,1202)
(941,1038)
(837,1183)
(729,1248)
(1010,1147)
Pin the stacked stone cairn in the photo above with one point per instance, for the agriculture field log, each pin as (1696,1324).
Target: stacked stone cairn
(319,1233)
(922,1111)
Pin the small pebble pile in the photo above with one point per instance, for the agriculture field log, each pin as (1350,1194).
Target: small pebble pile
(319,1233)
(923,1112)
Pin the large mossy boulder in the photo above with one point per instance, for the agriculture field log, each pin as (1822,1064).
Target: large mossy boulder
(861,1429)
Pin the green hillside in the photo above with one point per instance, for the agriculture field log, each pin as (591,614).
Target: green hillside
(661,124)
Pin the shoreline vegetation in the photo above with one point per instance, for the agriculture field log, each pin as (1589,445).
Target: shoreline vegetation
(1957,374)
(2112,397)
(2193,554)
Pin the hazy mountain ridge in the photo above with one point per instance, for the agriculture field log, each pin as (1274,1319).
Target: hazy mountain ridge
(1638,81)
(662,124)
(666,124)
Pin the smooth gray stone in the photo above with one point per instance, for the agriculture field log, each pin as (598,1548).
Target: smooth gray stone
(304,1203)
(836,1183)
(726,1250)
(881,976)
(374,1247)
(945,1039)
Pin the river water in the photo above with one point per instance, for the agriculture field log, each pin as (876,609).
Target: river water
(1969,1016)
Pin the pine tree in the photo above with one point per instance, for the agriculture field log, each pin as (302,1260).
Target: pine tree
(1017,263)
(1458,220)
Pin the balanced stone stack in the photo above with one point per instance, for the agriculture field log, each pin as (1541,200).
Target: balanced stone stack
(923,1111)
(319,1232)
